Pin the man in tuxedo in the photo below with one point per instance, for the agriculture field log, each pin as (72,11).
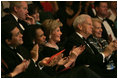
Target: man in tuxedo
(90,57)
(109,30)
(19,15)
(14,54)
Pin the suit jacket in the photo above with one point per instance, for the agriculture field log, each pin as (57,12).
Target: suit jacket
(12,60)
(95,60)
(10,18)
(104,33)
(89,56)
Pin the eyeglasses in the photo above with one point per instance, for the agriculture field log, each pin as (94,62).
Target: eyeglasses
(88,24)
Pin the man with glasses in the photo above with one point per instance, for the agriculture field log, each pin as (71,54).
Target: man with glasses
(91,58)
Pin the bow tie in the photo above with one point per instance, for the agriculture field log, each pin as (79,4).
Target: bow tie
(104,20)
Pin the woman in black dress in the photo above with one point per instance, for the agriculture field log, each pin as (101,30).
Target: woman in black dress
(58,66)
(63,64)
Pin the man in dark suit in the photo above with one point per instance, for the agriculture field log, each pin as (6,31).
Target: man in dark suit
(109,29)
(90,57)
(14,54)
(19,15)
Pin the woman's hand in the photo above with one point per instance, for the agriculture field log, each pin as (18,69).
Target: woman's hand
(30,20)
(47,62)
(63,61)
(110,48)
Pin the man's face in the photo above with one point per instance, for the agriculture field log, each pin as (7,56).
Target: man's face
(87,27)
(97,29)
(102,9)
(22,11)
(16,39)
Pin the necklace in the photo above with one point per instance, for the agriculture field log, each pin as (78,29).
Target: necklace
(52,46)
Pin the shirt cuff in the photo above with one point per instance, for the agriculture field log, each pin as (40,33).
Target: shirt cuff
(103,57)
(40,66)
(34,62)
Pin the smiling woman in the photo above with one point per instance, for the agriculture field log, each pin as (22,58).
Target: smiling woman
(60,63)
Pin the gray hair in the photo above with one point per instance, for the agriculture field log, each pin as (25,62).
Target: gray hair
(80,20)
(14,4)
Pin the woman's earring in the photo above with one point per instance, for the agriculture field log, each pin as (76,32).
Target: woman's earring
(49,36)
(33,42)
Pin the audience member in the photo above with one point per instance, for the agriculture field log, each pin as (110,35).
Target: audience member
(100,44)
(34,12)
(108,26)
(89,44)
(14,54)
(35,35)
(69,11)
(53,33)
(112,9)
(91,9)
(18,69)
(19,15)
(90,57)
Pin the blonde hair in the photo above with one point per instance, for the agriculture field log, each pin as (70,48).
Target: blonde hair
(50,25)
(96,20)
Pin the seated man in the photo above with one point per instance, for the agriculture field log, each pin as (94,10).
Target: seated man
(14,54)
(90,57)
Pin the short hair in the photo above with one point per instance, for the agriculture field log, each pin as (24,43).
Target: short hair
(6,29)
(50,25)
(30,34)
(32,8)
(13,4)
(80,20)
(97,3)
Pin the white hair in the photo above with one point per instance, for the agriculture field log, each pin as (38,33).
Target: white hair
(80,19)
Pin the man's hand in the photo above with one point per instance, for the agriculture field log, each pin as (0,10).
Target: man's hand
(20,68)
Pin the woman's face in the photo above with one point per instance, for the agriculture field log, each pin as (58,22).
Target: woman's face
(40,37)
(56,34)
(36,16)
(97,30)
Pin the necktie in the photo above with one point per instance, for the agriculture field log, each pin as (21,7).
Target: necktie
(85,41)
(19,21)
(20,24)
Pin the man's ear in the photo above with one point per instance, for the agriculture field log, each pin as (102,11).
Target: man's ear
(79,26)
(16,9)
(8,41)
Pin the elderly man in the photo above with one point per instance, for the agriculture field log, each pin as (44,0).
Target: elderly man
(90,57)
(19,15)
